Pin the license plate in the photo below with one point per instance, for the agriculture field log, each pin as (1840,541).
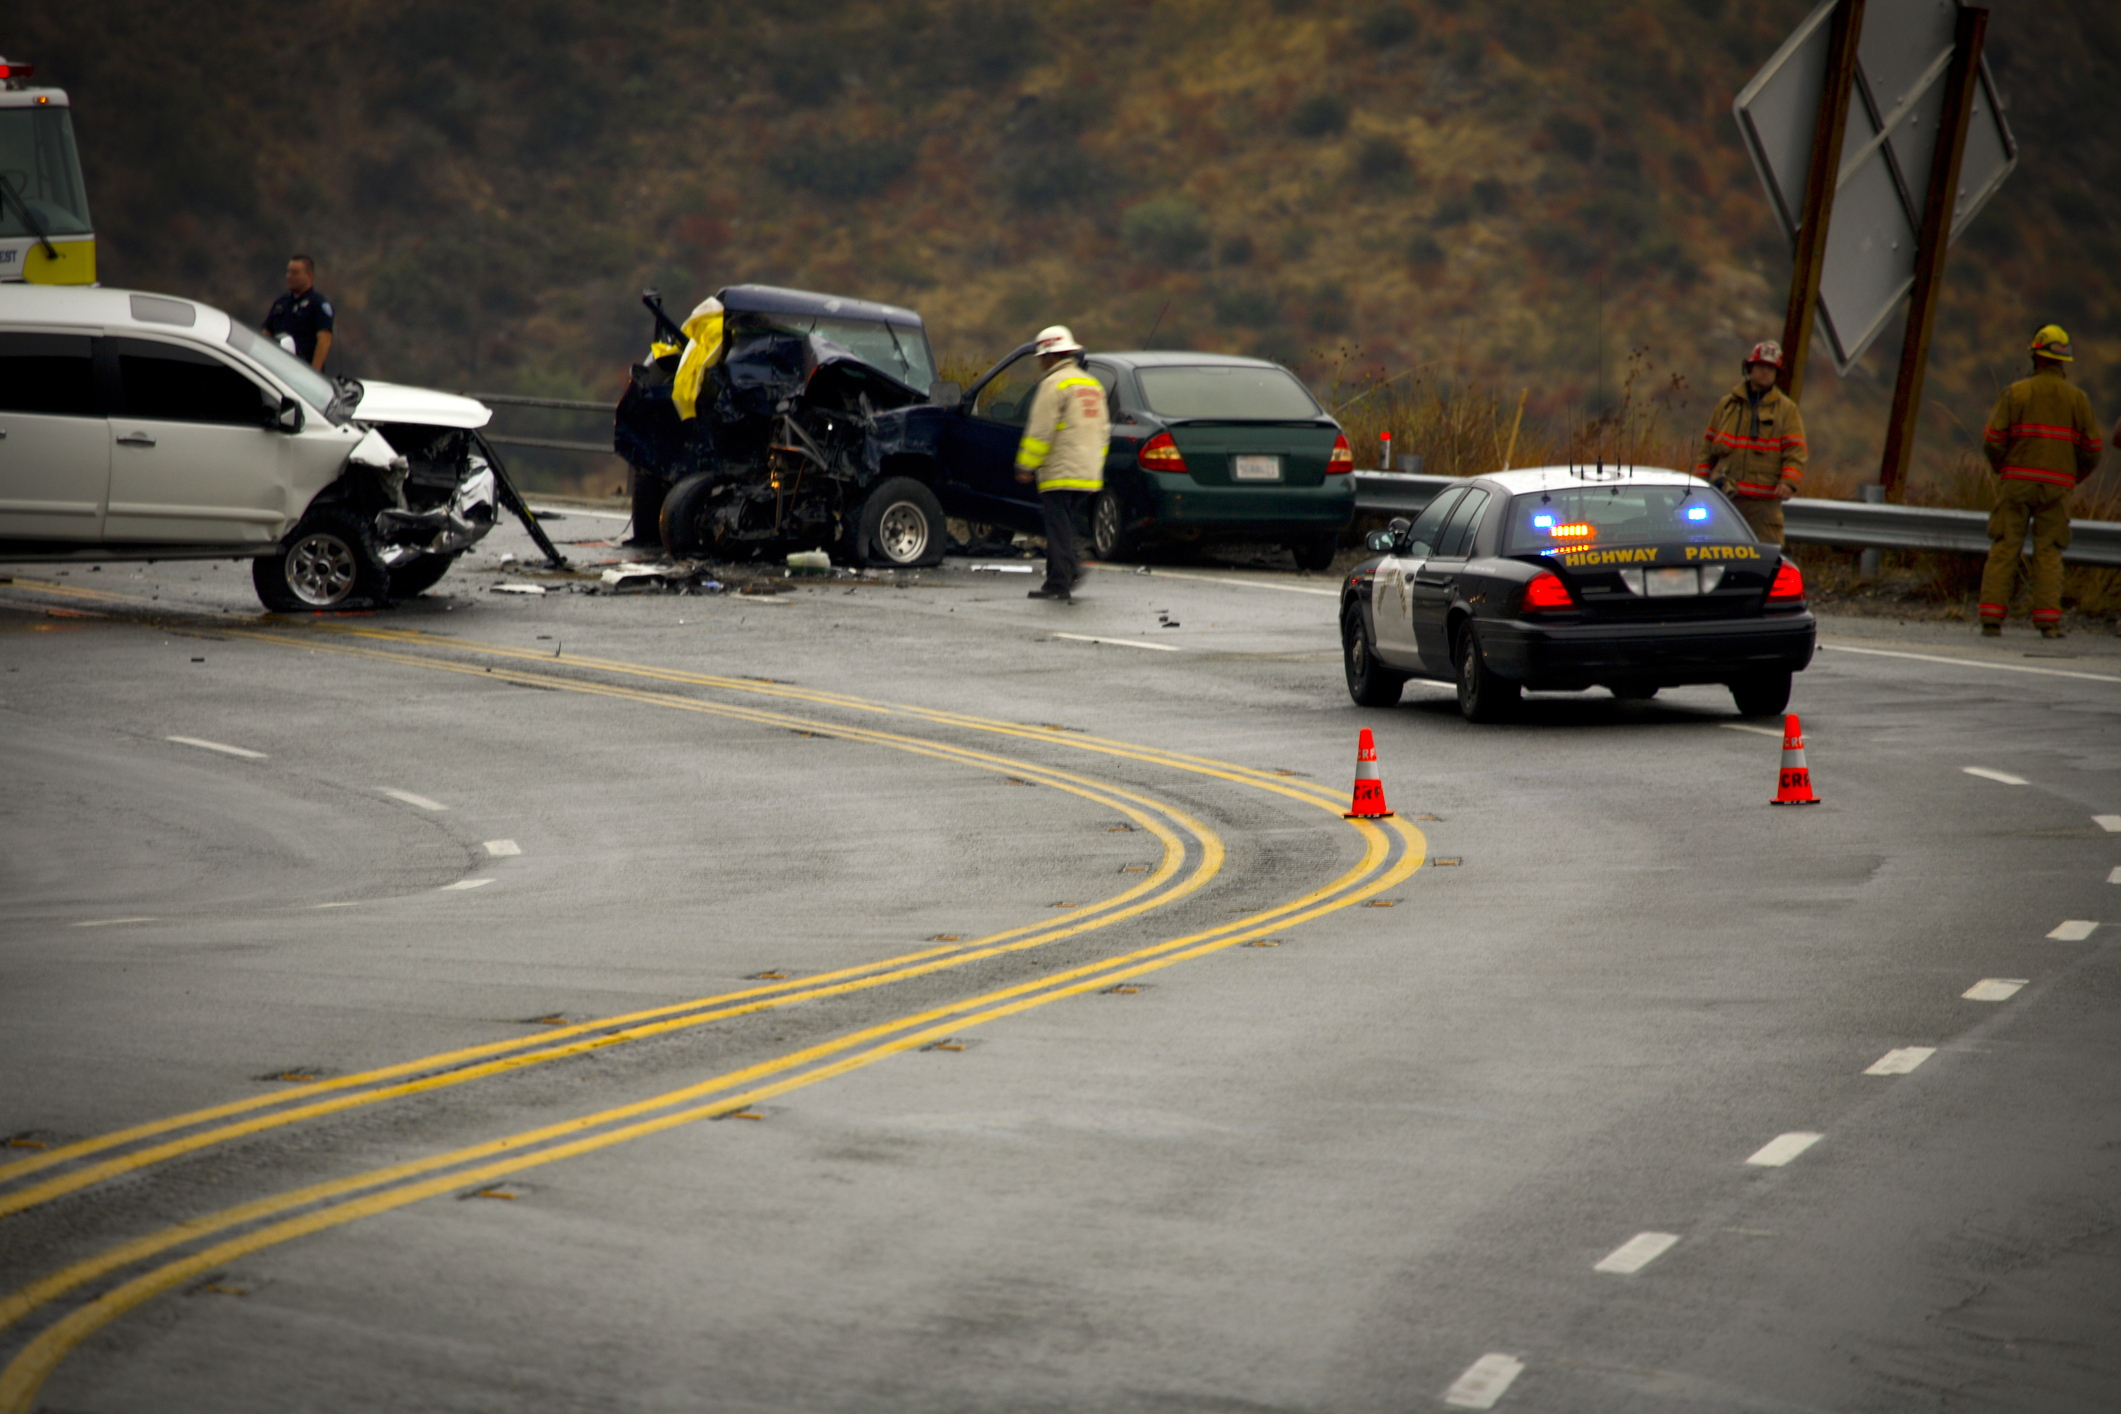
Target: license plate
(1665,584)
(1257,468)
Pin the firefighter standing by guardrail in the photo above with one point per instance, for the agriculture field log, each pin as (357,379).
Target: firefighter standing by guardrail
(2041,442)
(1754,450)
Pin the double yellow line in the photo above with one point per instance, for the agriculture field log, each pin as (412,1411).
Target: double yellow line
(347,1200)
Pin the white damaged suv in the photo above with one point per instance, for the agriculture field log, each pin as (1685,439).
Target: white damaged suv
(144,427)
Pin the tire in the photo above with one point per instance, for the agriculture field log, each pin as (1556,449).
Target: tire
(1763,695)
(901,526)
(1632,692)
(1482,696)
(418,575)
(324,564)
(1370,682)
(1315,553)
(1109,539)
(682,519)
(649,493)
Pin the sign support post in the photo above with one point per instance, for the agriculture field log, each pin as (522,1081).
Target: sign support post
(1960,84)
(1821,177)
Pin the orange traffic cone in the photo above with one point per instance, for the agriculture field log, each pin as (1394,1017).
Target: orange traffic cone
(1369,802)
(1795,787)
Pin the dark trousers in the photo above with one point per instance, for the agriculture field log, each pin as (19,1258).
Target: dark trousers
(1064,557)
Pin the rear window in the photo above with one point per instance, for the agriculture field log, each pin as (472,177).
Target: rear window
(899,350)
(1224,394)
(47,373)
(1588,517)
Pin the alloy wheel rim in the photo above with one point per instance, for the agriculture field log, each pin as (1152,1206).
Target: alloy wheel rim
(320,569)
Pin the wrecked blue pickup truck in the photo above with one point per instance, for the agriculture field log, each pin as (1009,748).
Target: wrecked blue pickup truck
(819,425)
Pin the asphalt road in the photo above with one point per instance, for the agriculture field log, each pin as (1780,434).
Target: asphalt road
(898,995)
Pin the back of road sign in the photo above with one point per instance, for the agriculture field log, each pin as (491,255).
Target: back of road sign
(1901,59)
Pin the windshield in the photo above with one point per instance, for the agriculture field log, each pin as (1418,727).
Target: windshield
(900,350)
(314,388)
(38,163)
(1225,394)
(1588,517)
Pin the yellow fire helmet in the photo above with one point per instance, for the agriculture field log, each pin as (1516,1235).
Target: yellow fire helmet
(2052,342)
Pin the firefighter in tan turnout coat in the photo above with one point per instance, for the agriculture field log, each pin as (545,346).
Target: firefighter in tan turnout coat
(1754,449)
(1063,449)
(2041,441)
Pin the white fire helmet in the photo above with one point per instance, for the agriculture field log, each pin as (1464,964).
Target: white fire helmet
(1055,339)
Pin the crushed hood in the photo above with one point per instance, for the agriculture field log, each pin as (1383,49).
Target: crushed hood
(396,402)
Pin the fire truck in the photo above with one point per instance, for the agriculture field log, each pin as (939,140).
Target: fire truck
(45,236)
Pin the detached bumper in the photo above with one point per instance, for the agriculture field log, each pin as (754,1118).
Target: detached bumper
(1568,657)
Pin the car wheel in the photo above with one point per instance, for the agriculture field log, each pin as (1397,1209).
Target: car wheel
(418,575)
(1108,529)
(324,564)
(1316,552)
(1633,692)
(682,518)
(902,526)
(1482,696)
(1370,682)
(1763,695)
(649,493)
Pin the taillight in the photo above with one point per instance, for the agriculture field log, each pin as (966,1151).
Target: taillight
(1788,587)
(1343,458)
(1160,453)
(1546,591)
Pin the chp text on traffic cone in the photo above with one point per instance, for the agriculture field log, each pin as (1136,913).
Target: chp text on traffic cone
(1369,802)
(1794,787)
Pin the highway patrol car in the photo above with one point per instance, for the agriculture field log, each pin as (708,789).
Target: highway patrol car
(1565,578)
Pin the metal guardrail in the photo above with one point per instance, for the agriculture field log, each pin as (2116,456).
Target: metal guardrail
(510,400)
(1853,525)
(549,444)
(553,444)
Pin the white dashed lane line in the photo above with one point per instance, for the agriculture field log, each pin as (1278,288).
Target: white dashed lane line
(1782,1148)
(2115,876)
(562,512)
(109,922)
(1121,642)
(1484,1381)
(498,848)
(409,798)
(1244,583)
(2109,823)
(465,884)
(204,745)
(1637,1252)
(1968,663)
(1987,775)
(1994,989)
(1775,732)
(1901,1061)
(2072,930)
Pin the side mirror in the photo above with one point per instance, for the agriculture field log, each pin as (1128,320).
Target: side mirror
(1379,541)
(288,417)
(946,395)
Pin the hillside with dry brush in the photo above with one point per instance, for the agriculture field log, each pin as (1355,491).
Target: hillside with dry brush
(1437,211)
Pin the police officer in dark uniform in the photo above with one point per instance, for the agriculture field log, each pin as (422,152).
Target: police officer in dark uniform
(302,314)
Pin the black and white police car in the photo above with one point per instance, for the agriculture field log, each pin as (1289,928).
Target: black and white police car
(138,426)
(1565,578)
